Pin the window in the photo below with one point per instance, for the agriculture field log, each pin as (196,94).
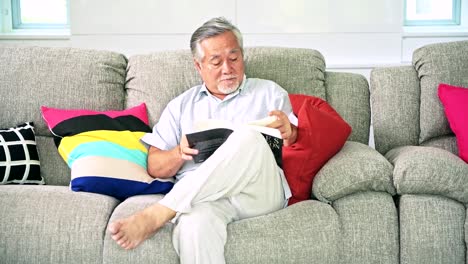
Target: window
(34,18)
(44,14)
(432,12)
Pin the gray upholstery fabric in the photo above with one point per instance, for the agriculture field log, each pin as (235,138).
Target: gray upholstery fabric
(356,168)
(157,249)
(395,96)
(53,168)
(348,93)
(406,107)
(51,224)
(265,239)
(465,227)
(369,228)
(435,64)
(306,232)
(296,70)
(448,143)
(431,230)
(58,77)
(429,170)
(431,180)
(157,78)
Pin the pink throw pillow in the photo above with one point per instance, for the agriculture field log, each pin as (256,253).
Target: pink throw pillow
(455,101)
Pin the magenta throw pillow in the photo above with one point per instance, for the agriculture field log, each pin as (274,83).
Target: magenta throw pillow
(455,101)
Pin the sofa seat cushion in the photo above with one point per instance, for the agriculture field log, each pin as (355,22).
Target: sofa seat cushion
(369,224)
(432,229)
(356,168)
(429,170)
(51,224)
(156,249)
(264,239)
(301,233)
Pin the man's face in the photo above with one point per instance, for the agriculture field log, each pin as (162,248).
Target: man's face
(222,64)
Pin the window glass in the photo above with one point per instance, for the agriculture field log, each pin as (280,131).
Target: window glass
(40,14)
(432,12)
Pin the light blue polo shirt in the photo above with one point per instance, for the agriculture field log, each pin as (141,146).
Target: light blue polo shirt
(254,99)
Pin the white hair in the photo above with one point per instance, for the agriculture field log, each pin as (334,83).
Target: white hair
(211,28)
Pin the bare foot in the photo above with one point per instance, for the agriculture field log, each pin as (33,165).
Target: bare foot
(132,231)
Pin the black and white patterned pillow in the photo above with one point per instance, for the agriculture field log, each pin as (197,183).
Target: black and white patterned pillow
(19,160)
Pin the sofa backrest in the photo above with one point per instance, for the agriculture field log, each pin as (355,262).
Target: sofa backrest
(159,77)
(405,104)
(31,77)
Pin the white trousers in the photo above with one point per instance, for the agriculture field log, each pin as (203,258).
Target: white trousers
(240,180)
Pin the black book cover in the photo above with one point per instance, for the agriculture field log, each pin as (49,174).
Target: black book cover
(208,141)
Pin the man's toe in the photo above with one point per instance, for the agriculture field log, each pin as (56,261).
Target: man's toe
(114,227)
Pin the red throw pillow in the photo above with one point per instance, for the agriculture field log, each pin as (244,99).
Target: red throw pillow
(455,101)
(321,134)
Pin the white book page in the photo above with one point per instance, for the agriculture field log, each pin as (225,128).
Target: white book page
(259,125)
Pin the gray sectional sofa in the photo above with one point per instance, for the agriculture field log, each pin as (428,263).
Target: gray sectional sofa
(351,218)
(411,130)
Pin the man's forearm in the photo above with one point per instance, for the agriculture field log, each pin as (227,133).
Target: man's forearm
(164,163)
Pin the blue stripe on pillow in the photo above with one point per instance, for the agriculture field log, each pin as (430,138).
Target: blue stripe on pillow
(114,187)
(107,149)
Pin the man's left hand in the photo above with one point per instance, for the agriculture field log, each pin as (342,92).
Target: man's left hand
(288,131)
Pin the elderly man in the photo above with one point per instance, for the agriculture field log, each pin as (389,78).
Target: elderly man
(241,178)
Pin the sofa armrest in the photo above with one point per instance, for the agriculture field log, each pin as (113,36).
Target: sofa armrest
(429,170)
(356,168)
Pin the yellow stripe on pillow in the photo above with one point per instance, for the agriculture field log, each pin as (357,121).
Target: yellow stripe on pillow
(126,139)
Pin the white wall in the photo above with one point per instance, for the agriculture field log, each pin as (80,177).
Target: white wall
(353,35)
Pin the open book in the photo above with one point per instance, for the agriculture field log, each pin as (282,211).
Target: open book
(213,133)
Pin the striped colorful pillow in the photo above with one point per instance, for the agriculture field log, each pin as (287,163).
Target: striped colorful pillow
(104,151)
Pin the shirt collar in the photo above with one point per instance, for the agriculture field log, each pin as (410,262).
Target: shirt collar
(205,92)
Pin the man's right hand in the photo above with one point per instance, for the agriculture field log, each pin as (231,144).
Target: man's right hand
(186,153)
(166,163)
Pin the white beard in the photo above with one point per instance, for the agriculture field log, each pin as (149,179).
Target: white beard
(227,89)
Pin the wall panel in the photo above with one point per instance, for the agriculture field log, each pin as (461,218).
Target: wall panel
(105,17)
(319,16)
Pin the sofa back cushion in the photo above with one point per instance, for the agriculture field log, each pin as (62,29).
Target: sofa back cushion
(159,77)
(406,108)
(57,77)
(435,64)
(348,94)
(395,103)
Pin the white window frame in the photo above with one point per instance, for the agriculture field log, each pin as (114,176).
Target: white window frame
(8,29)
(441,30)
(456,14)
(18,24)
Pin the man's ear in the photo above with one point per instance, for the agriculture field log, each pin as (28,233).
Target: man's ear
(197,65)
